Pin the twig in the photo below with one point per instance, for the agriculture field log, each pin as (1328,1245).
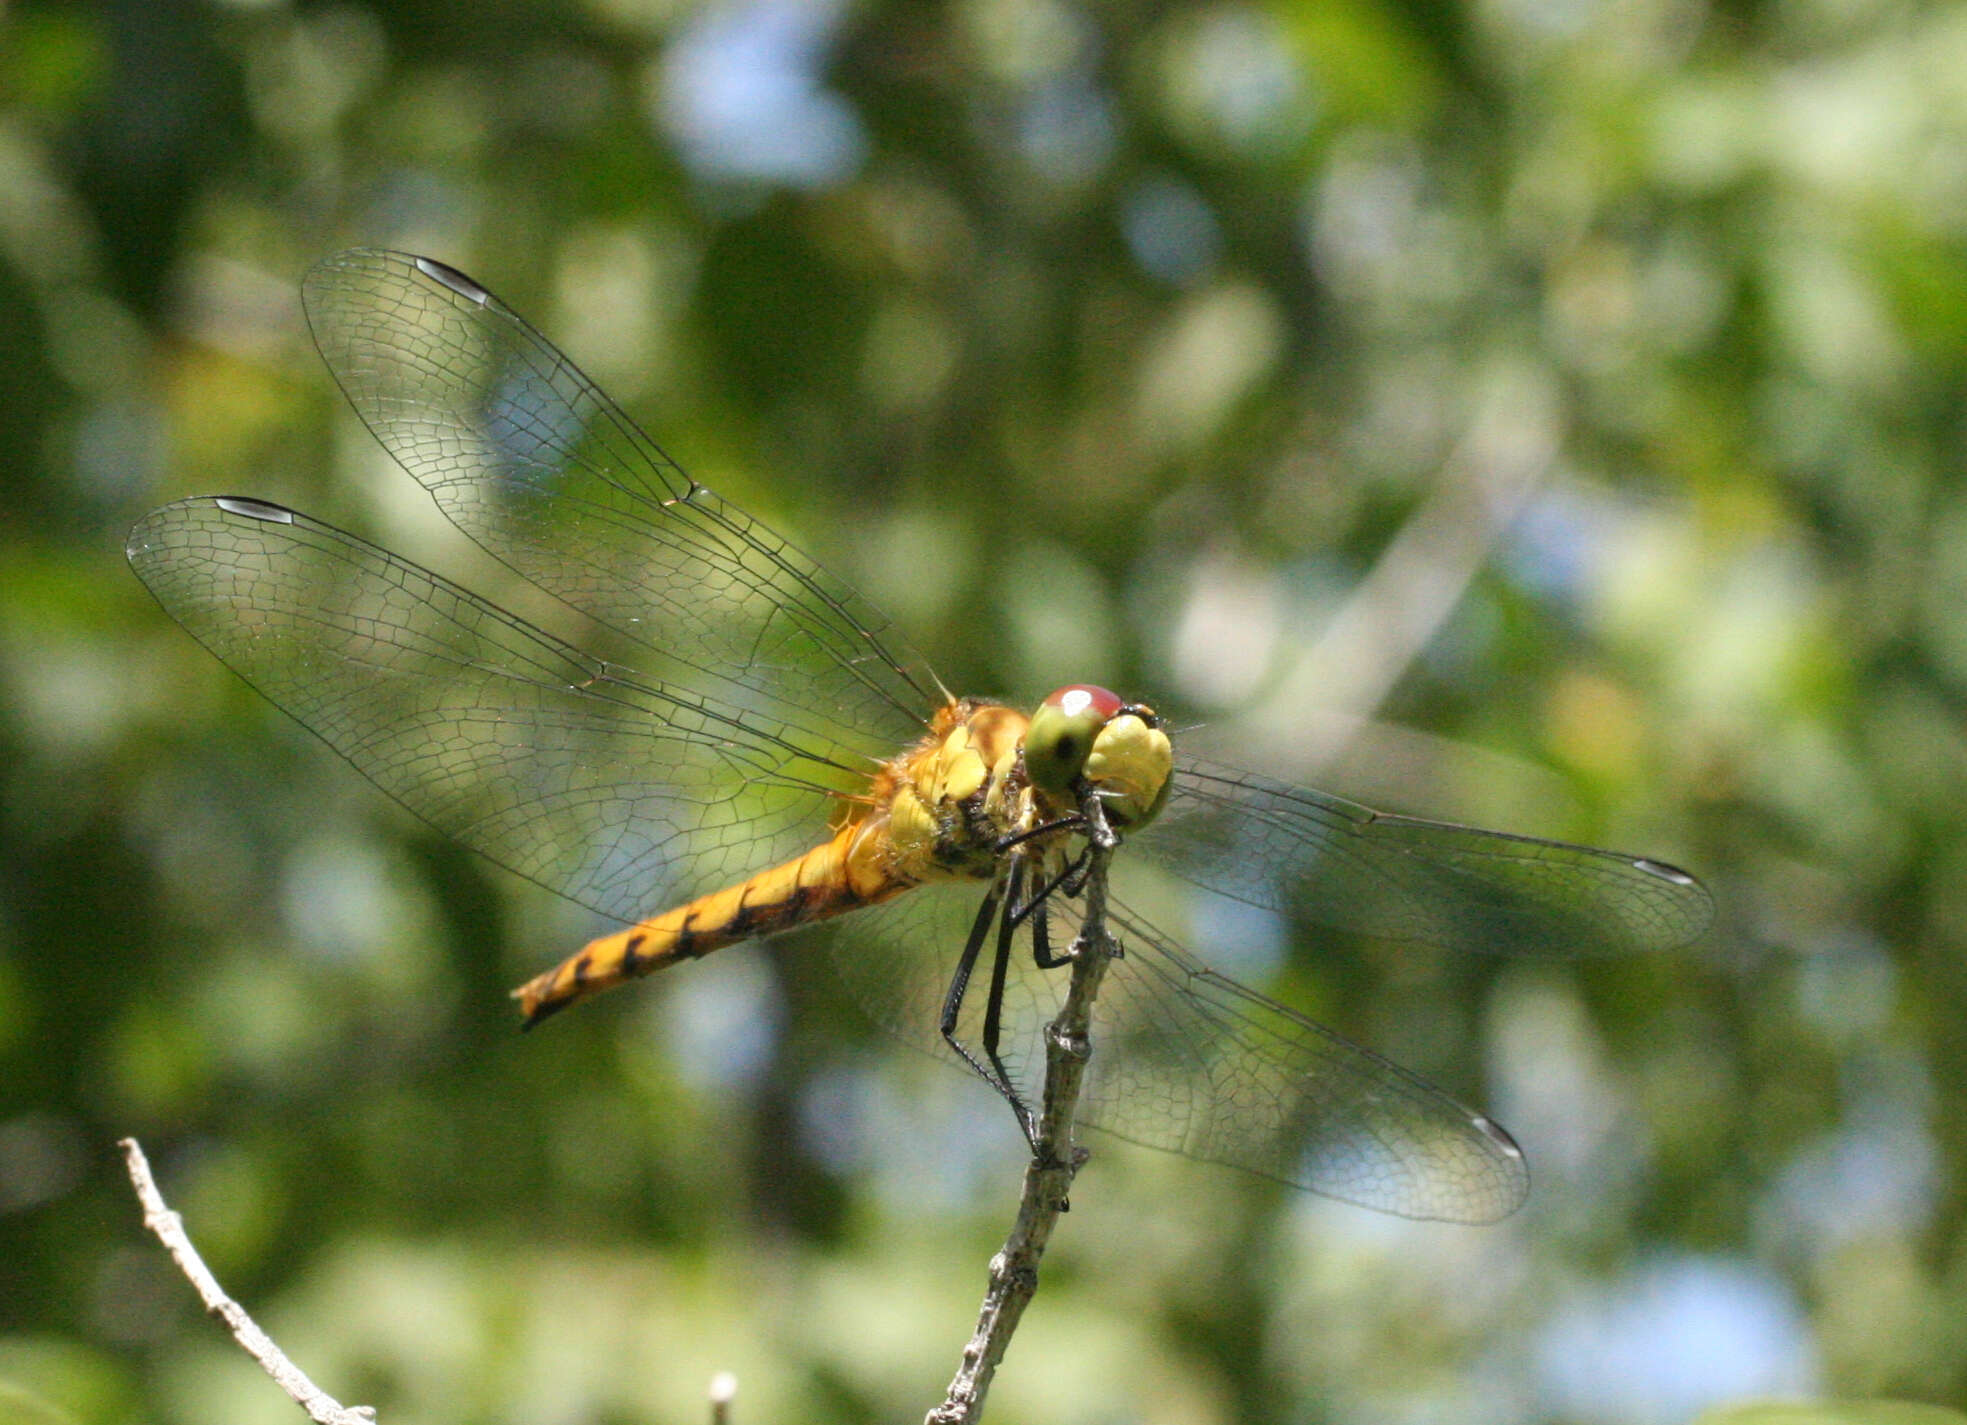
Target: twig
(723,1390)
(1507,454)
(1055,1161)
(168,1227)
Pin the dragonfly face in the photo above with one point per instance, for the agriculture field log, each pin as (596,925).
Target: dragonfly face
(770,753)
(1117,747)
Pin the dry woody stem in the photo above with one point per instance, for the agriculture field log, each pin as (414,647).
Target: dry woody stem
(168,1228)
(1055,1161)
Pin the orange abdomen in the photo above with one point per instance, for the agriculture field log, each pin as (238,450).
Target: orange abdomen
(849,871)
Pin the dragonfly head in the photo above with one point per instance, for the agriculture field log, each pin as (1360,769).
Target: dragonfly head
(1086,737)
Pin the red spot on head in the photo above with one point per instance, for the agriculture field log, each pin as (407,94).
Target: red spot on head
(1076,698)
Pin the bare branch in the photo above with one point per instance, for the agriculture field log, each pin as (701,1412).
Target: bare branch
(1055,1161)
(1505,457)
(168,1228)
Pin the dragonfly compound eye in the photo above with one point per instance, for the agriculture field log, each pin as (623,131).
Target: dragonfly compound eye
(1061,735)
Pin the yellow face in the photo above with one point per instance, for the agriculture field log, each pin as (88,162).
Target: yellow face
(1129,766)
(1087,734)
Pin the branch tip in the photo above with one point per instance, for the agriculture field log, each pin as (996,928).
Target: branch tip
(723,1390)
(168,1227)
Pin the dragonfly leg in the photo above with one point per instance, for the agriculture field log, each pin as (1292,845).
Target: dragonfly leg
(1018,838)
(1038,911)
(1073,881)
(993,1072)
(1069,882)
(994,1004)
(1092,824)
(994,1001)
(1041,942)
(1019,913)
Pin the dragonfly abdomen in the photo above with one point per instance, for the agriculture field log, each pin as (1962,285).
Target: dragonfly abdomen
(851,870)
(926,820)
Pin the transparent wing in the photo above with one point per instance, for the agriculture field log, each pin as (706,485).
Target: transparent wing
(1294,850)
(613,789)
(533,461)
(1187,1060)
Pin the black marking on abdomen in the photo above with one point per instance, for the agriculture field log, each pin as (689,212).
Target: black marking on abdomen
(791,911)
(632,953)
(542,1012)
(739,925)
(686,938)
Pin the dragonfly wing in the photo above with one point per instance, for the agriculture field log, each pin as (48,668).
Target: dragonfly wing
(1299,851)
(610,788)
(533,461)
(1187,1060)
(1199,1064)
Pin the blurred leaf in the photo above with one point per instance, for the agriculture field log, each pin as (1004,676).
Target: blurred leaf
(21,1406)
(1850,1412)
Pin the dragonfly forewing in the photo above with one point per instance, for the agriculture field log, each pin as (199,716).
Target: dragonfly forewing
(616,790)
(537,464)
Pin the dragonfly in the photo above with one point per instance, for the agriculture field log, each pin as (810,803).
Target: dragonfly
(739,745)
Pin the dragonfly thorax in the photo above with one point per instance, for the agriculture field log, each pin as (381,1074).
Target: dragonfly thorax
(985,772)
(950,799)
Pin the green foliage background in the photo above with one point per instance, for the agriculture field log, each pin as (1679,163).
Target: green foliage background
(1615,350)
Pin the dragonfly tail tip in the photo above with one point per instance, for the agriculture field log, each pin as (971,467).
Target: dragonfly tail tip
(534,1011)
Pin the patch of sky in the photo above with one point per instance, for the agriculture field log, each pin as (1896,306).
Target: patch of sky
(740,93)
(1224,642)
(1066,129)
(1673,1337)
(346,901)
(1877,1173)
(721,1020)
(1557,541)
(1235,80)
(529,425)
(1245,942)
(1171,230)
(928,1140)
